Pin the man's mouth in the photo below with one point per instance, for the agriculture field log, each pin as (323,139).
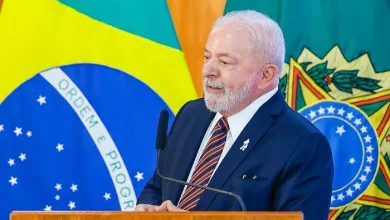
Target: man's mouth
(214,89)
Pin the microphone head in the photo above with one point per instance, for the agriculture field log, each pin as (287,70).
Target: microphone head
(162,130)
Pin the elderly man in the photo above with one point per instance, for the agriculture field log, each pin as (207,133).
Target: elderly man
(242,137)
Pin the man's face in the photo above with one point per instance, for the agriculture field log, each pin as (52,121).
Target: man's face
(228,69)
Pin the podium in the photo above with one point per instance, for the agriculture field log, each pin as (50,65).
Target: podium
(156,215)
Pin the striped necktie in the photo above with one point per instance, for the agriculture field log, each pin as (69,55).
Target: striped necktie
(206,165)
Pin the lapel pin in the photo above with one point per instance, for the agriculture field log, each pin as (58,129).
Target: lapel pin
(245,145)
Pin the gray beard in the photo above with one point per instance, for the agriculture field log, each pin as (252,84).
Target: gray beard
(230,98)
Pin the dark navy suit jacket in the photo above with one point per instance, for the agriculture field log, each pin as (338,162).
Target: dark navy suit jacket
(289,156)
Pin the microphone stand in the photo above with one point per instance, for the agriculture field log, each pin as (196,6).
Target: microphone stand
(243,207)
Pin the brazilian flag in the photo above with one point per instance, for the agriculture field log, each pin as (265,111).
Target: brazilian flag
(337,74)
(82,84)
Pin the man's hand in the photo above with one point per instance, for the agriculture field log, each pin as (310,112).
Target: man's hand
(164,207)
(170,207)
(148,208)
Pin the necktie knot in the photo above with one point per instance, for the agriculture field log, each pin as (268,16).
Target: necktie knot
(222,124)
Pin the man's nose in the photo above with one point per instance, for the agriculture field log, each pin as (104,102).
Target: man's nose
(210,68)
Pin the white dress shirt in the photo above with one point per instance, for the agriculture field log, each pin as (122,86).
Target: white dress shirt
(237,123)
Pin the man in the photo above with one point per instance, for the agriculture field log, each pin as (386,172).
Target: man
(242,137)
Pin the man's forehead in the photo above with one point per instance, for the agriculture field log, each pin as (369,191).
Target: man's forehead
(227,41)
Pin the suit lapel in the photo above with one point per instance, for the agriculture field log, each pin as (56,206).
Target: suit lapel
(254,130)
(188,152)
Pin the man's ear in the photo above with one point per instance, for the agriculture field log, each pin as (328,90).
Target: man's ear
(270,72)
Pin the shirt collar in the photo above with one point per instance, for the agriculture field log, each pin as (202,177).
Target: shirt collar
(238,121)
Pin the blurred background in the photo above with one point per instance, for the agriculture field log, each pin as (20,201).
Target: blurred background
(82,83)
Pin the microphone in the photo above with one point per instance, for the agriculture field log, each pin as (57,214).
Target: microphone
(161,144)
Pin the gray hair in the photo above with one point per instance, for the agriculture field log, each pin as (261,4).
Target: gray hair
(266,36)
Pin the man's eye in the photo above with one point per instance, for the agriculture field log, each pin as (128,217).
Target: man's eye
(224,62)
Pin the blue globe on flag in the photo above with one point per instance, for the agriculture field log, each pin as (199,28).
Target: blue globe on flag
(70,141)
(354,144)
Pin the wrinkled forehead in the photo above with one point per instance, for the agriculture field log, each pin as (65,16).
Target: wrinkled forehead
(232,38)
